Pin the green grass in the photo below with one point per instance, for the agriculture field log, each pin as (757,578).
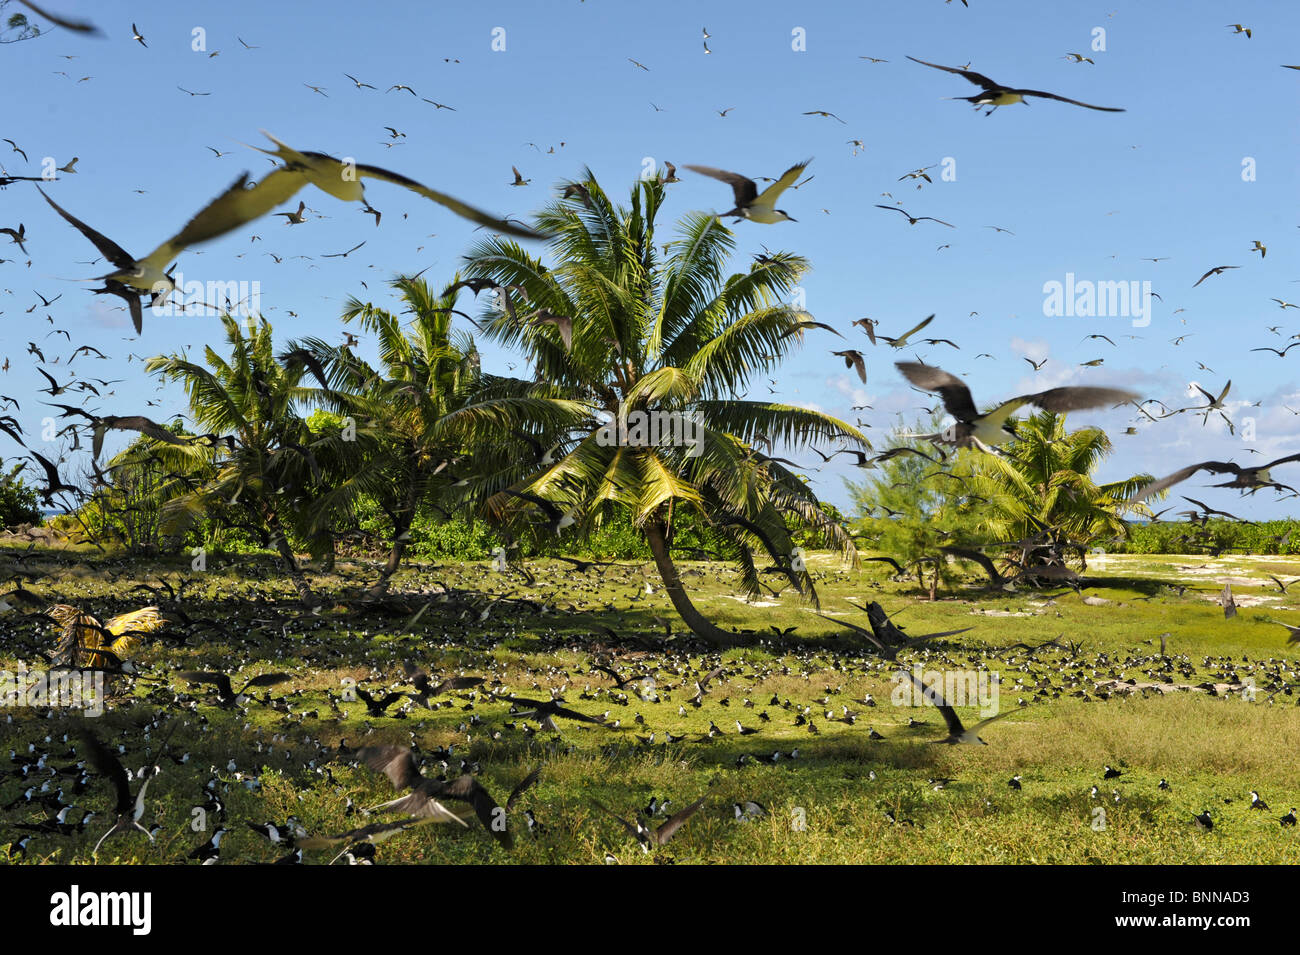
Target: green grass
(1212,749)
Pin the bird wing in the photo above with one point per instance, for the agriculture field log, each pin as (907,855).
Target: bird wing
(468,789)
(107,764)
(1285,460)
(80,26)
(979,79)
(524,784)
(464,210)
(973,555)
(1155,487)
(132,423)
(902,339)
(107,247)
(219,680)
(236,206)
(307,360)
(932,694)
(997,716)
(745,190)
(788,179)
(956,396)
(456,683)
(423,806)
(675,822)
(375,832)
(395,762)
(1066,99)
(267,679)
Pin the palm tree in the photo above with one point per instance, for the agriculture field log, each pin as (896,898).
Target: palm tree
(1044,480)
(428,422)
(923,505)
(613,324)
(269,465)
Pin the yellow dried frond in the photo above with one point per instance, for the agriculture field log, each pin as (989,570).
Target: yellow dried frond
(144,620)
(82,634)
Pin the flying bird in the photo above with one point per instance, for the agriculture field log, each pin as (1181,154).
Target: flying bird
(990,429)
(132,276)
(913,220)
(343,181)
(750,203)
(901,340)
(957,733)
(1251,478)
(399,765)
(853,359)
(226,695)
(996,95)
(1217,270)
(650,838)
(823,113)
(128,809)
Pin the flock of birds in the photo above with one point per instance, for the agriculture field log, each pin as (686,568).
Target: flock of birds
(55,769)
(629,693)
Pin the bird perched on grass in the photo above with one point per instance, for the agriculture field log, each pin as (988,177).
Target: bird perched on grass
(84,641)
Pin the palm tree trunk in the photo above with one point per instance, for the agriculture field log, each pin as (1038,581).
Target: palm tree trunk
(296,575)
(656,537)
(402,522)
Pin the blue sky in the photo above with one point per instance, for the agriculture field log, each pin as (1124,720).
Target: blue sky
(1200,166)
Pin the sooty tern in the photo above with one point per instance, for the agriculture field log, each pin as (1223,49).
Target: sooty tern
(991,429)
(750,203)
(995,94)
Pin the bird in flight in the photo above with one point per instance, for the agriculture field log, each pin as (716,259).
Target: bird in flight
(343,181)
(853,359)
(995,94)
(294,218)
(913,220)
(1217,270)
(901,340)
(135,35)
(822,112)
(1280,352)
(655,837)
(128,809)
(1251,478)
(133,276)
(750,203)
(957,733)
(990,429)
